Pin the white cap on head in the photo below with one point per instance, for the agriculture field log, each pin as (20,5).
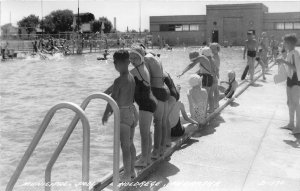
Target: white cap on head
(195,80)
(206,51)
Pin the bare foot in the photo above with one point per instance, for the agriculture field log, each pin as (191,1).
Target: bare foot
(296,131)
(288,127)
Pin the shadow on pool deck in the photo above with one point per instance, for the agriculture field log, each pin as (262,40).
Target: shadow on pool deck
(243,149)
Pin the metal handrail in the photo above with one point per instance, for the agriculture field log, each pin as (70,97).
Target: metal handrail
(73,125)
(39,134)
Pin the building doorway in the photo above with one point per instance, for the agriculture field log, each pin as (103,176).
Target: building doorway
(253,31)
(215,36)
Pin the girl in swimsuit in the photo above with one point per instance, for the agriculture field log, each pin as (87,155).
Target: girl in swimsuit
(175,107)
(147,103)
(161,93)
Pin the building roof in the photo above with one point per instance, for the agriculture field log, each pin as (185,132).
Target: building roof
(238,6)
(178,18)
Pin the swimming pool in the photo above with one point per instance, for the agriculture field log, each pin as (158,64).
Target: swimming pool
(29,88)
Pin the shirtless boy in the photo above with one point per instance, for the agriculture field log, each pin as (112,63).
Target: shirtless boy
(250,48)
(123,94)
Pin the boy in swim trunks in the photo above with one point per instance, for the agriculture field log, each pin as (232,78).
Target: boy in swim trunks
(293,83)
(123,94)
(250,48)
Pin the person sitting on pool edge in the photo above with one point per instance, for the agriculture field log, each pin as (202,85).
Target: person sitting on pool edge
(250,48)
(232,86)
(175,107)
(123,94)
(197,97)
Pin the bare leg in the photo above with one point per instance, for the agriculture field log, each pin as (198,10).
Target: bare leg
(165,136)
(145,119)
(251,67)
(158,116)
(216,93)
(295,91)
(125,146)
(132,152)
(210,99)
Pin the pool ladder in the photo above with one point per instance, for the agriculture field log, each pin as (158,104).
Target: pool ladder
(80,114)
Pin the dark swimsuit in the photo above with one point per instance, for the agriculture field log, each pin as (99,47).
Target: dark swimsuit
(161,94)
(251,53)
(143,95)
(178,130)
(294,81)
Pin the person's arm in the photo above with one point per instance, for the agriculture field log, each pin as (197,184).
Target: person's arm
(245,49)
(109,90)
(108,110)
(190,66)
(185,116)
(296,60)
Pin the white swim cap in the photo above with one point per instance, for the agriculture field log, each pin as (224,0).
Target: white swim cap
(206,51)
(195,80)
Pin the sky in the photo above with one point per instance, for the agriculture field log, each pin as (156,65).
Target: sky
(127,12)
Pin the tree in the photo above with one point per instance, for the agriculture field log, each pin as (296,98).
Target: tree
(29,23)
(146,31)
(96,26)
(107,24)
(58,21)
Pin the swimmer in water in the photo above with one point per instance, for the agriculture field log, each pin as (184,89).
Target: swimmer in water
(250,49)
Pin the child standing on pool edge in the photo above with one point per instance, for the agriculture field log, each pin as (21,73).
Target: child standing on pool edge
(293,84)
(250,48)
(123,94)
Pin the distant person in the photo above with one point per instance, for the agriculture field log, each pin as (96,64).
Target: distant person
(260,62)
(264,44)
(105,54)
(274,45)
(250,49)
(123,94)
(232,86)
(293,84)
(197,97)
(35,46)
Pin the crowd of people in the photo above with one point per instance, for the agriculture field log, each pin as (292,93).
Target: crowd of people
(158,98)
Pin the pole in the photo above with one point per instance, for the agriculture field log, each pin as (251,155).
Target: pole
(140,4)
(42,23)
(78,18)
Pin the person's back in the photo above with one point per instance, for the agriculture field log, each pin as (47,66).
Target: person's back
(197,99)
(126,85)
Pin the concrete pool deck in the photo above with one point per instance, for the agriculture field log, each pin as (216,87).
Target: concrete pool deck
(243,148)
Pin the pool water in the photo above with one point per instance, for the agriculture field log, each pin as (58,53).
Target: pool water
(30,87)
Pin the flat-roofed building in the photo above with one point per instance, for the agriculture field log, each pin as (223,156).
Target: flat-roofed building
(223,23)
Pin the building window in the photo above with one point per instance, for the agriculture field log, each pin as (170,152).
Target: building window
(186,27)
(297,25)
(288,25)
(279,26)
(194,27)
(178,27)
